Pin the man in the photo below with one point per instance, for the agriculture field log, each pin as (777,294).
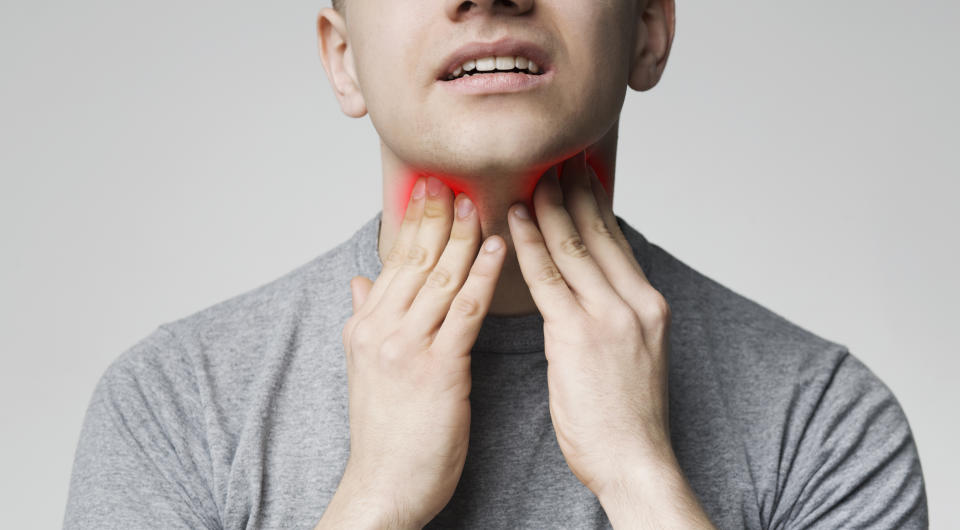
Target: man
(524,357)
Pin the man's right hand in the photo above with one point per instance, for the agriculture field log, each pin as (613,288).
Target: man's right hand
(408,362)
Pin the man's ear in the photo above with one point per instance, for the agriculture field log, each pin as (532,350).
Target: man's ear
(656,23)
(337,56)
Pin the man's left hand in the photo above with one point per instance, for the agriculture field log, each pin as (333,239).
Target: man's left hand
(605,328)
(606,339)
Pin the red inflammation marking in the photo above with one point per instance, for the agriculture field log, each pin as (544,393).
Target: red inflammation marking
(460,185)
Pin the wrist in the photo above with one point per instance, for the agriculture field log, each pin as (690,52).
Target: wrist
(636,466)
(637,474)
(362,504)
(652,490)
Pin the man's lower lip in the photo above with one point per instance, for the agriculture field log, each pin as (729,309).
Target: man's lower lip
(503,82)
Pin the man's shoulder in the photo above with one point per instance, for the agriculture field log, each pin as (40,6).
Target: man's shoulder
(825,438)
(236,334)
(315,294)
(745,343)
(705,309)
(755,355)
(312,283)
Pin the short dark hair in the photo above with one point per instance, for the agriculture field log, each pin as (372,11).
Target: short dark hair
(338,5)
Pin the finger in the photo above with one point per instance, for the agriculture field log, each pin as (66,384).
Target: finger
(398,253)
(605,203)
(359,290)
(422,254)
(547,286)
(444,281)
(566,245)
(650,301)
(620,268)
(459,329)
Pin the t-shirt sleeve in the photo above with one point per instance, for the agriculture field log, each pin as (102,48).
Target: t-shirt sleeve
(852,462)
(142,459)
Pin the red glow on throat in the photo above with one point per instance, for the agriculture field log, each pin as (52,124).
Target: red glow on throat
(406,181)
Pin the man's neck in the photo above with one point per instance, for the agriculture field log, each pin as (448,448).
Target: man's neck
(492,196)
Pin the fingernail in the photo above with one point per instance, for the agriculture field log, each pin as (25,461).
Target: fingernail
(434,186)
(492,245)
(521,212)
(464,207)
(418,188)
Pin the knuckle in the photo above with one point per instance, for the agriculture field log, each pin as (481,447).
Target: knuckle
(396,256)
(573,246)
(466,306)
(416,256)
(531,237)
(434,210)
(363,336)
(622,241)
(599,227)
(655,310)
(392,349)
(482,270)
(439,278)
(549,274)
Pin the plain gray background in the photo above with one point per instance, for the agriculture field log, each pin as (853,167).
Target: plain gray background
(161,157)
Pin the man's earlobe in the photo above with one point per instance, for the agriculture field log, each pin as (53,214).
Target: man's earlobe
(656,24)
(336,53)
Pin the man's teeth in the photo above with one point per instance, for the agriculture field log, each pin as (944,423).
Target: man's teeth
(490,64)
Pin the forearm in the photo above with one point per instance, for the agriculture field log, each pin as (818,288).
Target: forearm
(653,495)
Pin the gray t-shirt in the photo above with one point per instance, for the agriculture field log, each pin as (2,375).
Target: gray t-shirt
(236,416)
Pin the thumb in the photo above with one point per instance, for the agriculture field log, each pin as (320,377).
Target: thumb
(359,289)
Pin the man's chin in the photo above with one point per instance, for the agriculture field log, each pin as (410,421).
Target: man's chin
(485,162)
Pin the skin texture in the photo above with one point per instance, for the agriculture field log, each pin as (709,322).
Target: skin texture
(408,356)
(606,328)
(383,59)
(606,339)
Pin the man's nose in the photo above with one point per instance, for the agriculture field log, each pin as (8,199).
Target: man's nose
(461,9)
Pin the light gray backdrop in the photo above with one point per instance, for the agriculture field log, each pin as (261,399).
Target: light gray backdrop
(160,157)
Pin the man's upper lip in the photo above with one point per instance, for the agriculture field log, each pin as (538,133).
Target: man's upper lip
(503,48)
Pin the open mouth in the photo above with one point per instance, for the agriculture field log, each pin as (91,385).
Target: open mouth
(495,65)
